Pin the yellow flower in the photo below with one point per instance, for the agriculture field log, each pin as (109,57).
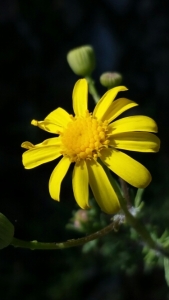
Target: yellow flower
(87,138)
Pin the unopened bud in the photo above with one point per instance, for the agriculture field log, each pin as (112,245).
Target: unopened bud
(110,79)
(82,60)
(80,218)
(6,231)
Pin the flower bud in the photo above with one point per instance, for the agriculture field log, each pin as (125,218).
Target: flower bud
(110,79)
(80,219)
(82,60)
(6,231)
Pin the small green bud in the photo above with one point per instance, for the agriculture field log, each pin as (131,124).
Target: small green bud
(82,60)
(110,79)
(6,231)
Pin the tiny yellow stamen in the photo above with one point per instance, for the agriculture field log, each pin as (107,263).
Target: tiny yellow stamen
(84,138)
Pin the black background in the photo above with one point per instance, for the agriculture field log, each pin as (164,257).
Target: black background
(129,36)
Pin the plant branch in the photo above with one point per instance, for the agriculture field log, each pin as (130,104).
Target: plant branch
(125,190)
(35,245)
(140,228)
(92,89)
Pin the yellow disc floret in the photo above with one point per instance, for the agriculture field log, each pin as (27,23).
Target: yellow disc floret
(84,137)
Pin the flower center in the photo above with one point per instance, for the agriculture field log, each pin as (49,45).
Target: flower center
(84,137)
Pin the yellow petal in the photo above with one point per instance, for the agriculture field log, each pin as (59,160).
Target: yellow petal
(135,141)
(27,145)
(133,123)
(47,126)
(59,117)
(126,167)
(36,156)
(80,183)
(57,176)
(104,103)
(51,141)
(48,142)
(102,190)
(117,107)
(80,97)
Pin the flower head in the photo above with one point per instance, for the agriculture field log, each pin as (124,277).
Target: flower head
(90,139)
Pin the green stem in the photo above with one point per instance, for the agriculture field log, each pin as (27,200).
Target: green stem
(125,190)
(35,245)
(92,89)
(139,227)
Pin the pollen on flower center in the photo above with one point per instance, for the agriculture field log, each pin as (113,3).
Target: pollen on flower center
(84,137)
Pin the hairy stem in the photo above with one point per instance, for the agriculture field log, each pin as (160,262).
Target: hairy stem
(35,245)
(138,226)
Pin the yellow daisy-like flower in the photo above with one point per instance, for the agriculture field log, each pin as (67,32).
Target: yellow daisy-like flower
(86,138)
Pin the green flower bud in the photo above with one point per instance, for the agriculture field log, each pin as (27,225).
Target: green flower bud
(6,231)
(82,60)
(110,79)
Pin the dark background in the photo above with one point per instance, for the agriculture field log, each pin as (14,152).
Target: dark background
(129,36)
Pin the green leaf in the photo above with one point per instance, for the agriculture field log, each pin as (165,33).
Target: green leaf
(166,269)
(138,197)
